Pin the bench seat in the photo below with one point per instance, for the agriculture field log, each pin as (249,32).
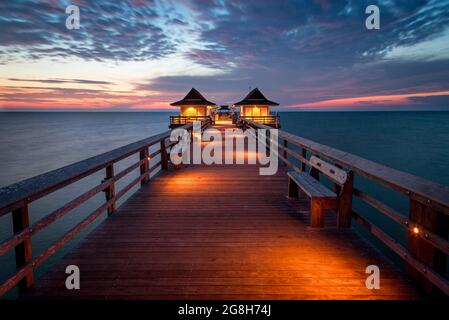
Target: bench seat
(310,186)
(321,197)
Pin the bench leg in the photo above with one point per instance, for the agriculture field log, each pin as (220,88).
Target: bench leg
(317,213)
(344,213)
(292,189)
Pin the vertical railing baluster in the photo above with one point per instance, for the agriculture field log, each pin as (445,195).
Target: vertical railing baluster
(344,215)
(110,191)
(314,172)
(304,155)
(164,155)
(337,188)
(20,221)
(145,166)
(434,221)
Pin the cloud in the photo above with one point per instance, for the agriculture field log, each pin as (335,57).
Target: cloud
(63,97)
(109,30)
(434,49)
(298,52)
(58,81)
(438,100)
(302,51)
(396,100)
(326,32)
(223,89)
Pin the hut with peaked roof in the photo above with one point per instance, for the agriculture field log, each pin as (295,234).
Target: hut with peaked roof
(255,106)
(194,106)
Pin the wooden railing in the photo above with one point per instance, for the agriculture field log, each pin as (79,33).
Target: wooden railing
(183,120)
(427,220)
(15,199)
(271,120)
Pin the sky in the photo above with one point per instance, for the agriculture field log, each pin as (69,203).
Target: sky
(141,55)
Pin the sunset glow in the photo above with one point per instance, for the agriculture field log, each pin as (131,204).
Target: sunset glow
(142,55)
(366,102)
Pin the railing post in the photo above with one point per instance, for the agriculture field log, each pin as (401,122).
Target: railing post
(436,259)
(314,172)
(337,188)
(110,191)
(145,166)
(20,221)
(164,156)
(344,215)
(304,155)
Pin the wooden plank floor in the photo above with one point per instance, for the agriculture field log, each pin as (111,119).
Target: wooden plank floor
(220,232)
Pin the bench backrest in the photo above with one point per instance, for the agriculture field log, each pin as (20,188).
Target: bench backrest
(334,173)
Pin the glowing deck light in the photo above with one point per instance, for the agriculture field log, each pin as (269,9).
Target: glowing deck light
(416,230)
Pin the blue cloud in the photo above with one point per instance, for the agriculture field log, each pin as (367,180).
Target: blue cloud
(122,30)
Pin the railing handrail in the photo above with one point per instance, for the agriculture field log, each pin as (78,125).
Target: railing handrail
(428,207)
(34,188)
(270,116)
(15,199)
(403,182)
(192,117)
(267,116)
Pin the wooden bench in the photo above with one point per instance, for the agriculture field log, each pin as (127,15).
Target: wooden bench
(321,198)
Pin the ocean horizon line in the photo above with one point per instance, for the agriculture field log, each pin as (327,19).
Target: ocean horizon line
(174,111)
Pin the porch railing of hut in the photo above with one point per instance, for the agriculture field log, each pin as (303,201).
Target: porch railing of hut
(427,220)
(183,120)
(268,120)
(15,199)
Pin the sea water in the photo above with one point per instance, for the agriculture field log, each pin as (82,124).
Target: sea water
(34,143)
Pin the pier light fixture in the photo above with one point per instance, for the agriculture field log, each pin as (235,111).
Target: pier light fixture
(416,230)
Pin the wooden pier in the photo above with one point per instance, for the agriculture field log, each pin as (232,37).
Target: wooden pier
(226,232)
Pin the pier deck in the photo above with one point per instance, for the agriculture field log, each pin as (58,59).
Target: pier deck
(221,232)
